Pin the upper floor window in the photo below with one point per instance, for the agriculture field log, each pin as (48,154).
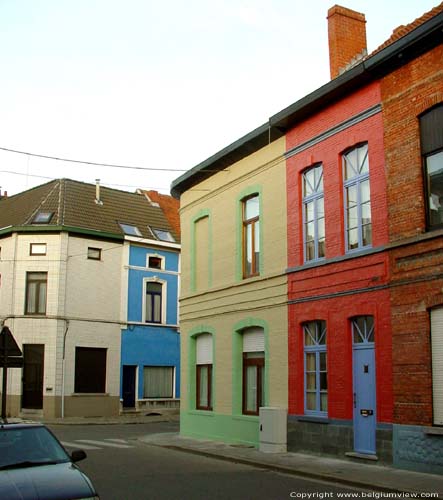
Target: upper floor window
(251,236)
(154,302)
(313,213)
(316,374)
(94,253)
(36,287)
(357,198)
(156,262)
(37,249)
(431,133)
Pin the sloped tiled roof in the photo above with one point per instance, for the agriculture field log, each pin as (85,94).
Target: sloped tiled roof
(402,30)
(73,205)
(170,207)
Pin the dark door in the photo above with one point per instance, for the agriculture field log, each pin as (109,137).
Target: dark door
(33,355)
(129,386)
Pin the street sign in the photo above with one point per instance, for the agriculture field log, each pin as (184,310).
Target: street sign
(8,345)
(10,357)
(15,362)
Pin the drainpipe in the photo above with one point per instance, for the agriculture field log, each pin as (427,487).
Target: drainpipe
(63,369)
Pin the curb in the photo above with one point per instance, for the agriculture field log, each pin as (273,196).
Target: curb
(284,469)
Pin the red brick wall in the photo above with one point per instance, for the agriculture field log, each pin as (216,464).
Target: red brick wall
(347,276)
(416,268)
(329,153)
(406,93)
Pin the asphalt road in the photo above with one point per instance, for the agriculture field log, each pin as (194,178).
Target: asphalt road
(124,468)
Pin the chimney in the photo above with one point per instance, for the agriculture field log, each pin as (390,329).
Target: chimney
(347,39)
(97,192)
(4,195)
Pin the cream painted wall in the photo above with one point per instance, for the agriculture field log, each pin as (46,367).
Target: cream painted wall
(82,294)
(229,300)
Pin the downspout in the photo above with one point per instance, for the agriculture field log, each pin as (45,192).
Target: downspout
(63,369)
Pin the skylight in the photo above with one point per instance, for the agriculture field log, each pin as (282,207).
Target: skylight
(130,230)
(42,217)
(163,235)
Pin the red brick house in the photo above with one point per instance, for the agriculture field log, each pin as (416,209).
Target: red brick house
(365,256)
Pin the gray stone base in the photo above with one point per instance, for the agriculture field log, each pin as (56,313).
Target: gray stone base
(418,448)
(333,437)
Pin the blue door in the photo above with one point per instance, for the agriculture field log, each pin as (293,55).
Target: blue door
(365,418)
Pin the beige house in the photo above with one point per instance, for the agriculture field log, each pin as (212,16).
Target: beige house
(233,312)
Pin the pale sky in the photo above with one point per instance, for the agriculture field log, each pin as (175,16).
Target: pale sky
(156,84)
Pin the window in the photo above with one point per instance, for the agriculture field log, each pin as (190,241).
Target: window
(153,304)
(357,198)
(251,236)
(158,382)
(363,329)
(162,234)
(37,249)
(129,229)
(36,287)
(437,363)
(316,375)
(155,261)
(204,372)
(42,217)
(94,253)
(431,132)
(313,213)
(253,370)
(90,370)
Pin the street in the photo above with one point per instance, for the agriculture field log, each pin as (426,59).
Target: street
(124,468)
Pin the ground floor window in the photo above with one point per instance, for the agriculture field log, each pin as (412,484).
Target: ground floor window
(204,371)
(253,382)
(90,370)
(158,382)
(437,363)
(316,375)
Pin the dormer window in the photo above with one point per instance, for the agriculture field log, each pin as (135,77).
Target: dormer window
(163,235)
(42,217)
(129,229)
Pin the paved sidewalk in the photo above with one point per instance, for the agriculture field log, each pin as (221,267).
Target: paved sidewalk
(370,477)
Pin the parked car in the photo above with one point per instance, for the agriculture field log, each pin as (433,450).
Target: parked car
(34,465)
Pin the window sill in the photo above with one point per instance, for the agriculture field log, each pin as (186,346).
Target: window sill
(434,431)
(250,418)
(201,413)
(313,419)
(147,400)
(89,394)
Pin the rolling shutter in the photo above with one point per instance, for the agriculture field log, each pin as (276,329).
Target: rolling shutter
(253,340)
(437,363)
(204,349)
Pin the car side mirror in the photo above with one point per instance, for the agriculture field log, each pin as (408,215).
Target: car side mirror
(78,455)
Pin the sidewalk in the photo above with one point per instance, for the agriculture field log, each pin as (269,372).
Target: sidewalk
(360,475)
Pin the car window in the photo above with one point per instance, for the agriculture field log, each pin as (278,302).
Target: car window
(30,444)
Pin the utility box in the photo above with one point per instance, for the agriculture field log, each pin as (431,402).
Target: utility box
(273,429)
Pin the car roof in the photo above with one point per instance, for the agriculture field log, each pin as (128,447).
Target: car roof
(19,425)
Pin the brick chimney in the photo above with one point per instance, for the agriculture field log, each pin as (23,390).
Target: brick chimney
(347,38)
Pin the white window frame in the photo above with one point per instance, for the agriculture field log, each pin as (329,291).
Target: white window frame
(157,256)
(174,375)
(164,296)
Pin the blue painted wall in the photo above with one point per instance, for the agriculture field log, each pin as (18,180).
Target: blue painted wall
(151,345)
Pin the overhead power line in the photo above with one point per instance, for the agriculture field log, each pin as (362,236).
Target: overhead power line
(97,164)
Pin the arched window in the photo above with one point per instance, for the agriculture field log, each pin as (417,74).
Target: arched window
(313,213)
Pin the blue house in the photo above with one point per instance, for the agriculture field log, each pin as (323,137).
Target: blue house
(150,349)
